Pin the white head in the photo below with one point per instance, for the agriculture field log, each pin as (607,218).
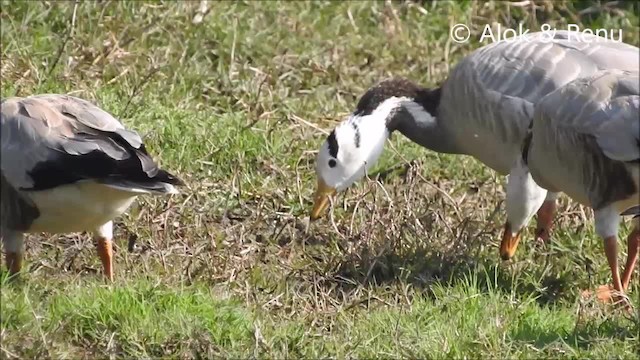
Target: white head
(355,145)
(350,151)
(524,198)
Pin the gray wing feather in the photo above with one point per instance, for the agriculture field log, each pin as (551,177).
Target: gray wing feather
(619,138)
(37,129)
(500,84)
(586,138)
(21,143)
(533,67)
(90,116)
(605,106)
(82,111)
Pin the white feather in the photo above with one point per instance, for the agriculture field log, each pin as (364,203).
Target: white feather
(82,206)
(354,161)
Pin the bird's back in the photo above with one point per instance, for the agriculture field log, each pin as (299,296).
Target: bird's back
(586,139)
(52,140)
(487,102)
(68,165)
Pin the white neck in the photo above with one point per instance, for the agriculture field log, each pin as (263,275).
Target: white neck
(373,130)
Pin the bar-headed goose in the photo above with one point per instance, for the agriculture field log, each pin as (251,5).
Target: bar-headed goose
(68,166)
(585,142)
(483,109)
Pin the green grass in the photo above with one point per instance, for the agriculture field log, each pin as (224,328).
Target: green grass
(236,105)
(139,319)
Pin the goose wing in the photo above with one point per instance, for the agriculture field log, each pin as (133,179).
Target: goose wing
(586,138)
(500,83)
(536,64)
(604,107)
(53,140)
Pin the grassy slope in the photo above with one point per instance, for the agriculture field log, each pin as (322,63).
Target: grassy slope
(236,104)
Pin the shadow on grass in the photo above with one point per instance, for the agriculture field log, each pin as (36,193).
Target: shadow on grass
(584,335)
(423,268)
(426,271)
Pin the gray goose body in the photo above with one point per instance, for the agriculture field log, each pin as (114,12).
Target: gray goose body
(69,166)
(488,100)
(585,142)
(483,109)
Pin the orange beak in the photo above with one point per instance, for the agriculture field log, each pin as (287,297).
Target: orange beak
(321,199)
(509,242)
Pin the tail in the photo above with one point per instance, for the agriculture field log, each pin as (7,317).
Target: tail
(634,210)
(162,183)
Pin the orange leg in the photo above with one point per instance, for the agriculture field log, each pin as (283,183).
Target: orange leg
(546,214)
(611,250)
(509,242)
(633,244)
(105,251)
(604,292)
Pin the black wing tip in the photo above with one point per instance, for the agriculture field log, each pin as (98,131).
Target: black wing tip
(166,177)
(634,210)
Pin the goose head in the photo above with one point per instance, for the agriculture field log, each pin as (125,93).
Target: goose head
(356,143)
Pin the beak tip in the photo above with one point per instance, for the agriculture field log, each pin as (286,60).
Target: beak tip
(321,200)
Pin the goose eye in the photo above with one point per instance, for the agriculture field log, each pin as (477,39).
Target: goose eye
(332,163)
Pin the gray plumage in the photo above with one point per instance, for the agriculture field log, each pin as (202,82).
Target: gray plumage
(585,140)
(483,109)
(488,100)
(52,141)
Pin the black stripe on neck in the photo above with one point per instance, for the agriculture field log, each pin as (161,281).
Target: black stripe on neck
(357,134)
(430,100)
(333,144)
(398,87)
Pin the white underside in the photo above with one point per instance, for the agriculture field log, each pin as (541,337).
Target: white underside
(83,206)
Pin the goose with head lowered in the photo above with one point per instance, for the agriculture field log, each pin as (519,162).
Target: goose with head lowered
(585,142)
(483,109)
(69,166)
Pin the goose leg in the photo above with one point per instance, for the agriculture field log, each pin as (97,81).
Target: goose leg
(633,245)
(546,214)
(103,236)
(14,250)
(611,250)
(607,223)
(14,262)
